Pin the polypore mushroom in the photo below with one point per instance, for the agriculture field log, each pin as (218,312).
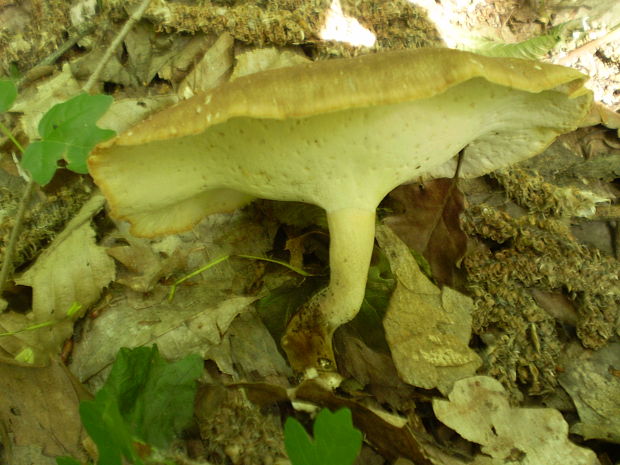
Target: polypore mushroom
(339,134)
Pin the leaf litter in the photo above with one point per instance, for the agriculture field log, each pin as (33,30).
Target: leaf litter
(222,324)
(74,268)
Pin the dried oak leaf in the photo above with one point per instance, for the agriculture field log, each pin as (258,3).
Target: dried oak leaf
(427,220)
(478,410)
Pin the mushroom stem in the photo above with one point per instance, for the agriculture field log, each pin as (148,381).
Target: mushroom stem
(308,338)
(339,134)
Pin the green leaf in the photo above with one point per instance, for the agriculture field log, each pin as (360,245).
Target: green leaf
(144,399)
(68,132)
(8,93)
(106,426)
(532,49)
(155,397)
(40,160)
(336,441)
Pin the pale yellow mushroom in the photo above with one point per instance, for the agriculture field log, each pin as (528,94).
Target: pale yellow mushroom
(339,134)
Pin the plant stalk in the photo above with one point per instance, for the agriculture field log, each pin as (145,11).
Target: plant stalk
(9,252)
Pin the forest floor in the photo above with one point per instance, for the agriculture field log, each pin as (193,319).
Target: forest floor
(522,263)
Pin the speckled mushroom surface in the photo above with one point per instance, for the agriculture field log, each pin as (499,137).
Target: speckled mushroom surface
(339,134)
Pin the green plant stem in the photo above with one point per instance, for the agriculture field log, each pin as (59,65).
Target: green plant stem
(134,18)
(8,133)
(34,327)
(9,252)
(173,289)
(226,257)
(299,271)
(71,311)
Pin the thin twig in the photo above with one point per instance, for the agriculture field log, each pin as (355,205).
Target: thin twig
(39,69)
(134,18)
(54,56)
(591,46)
(9,251)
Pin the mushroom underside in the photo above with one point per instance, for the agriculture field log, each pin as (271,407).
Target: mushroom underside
(345,161)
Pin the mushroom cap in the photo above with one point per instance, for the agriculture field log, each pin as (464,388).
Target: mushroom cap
(338,133)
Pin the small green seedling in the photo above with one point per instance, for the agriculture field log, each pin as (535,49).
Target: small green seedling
(145,401)
(71,311)
(68,131)
(336,441)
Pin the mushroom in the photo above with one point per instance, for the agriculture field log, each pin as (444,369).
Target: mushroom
(339,134)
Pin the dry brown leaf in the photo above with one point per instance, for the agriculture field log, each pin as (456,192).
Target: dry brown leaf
(124,113)
(202,309)
(261,59)
(427,328)
(428,222)
(592,379)
(254,350)
(478,410)
(114,70)
(212,69)
(39,408)
(145,266)
(194,322)
(181,63)
(390,434)
(73,269)
(375,371)
(148,51)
